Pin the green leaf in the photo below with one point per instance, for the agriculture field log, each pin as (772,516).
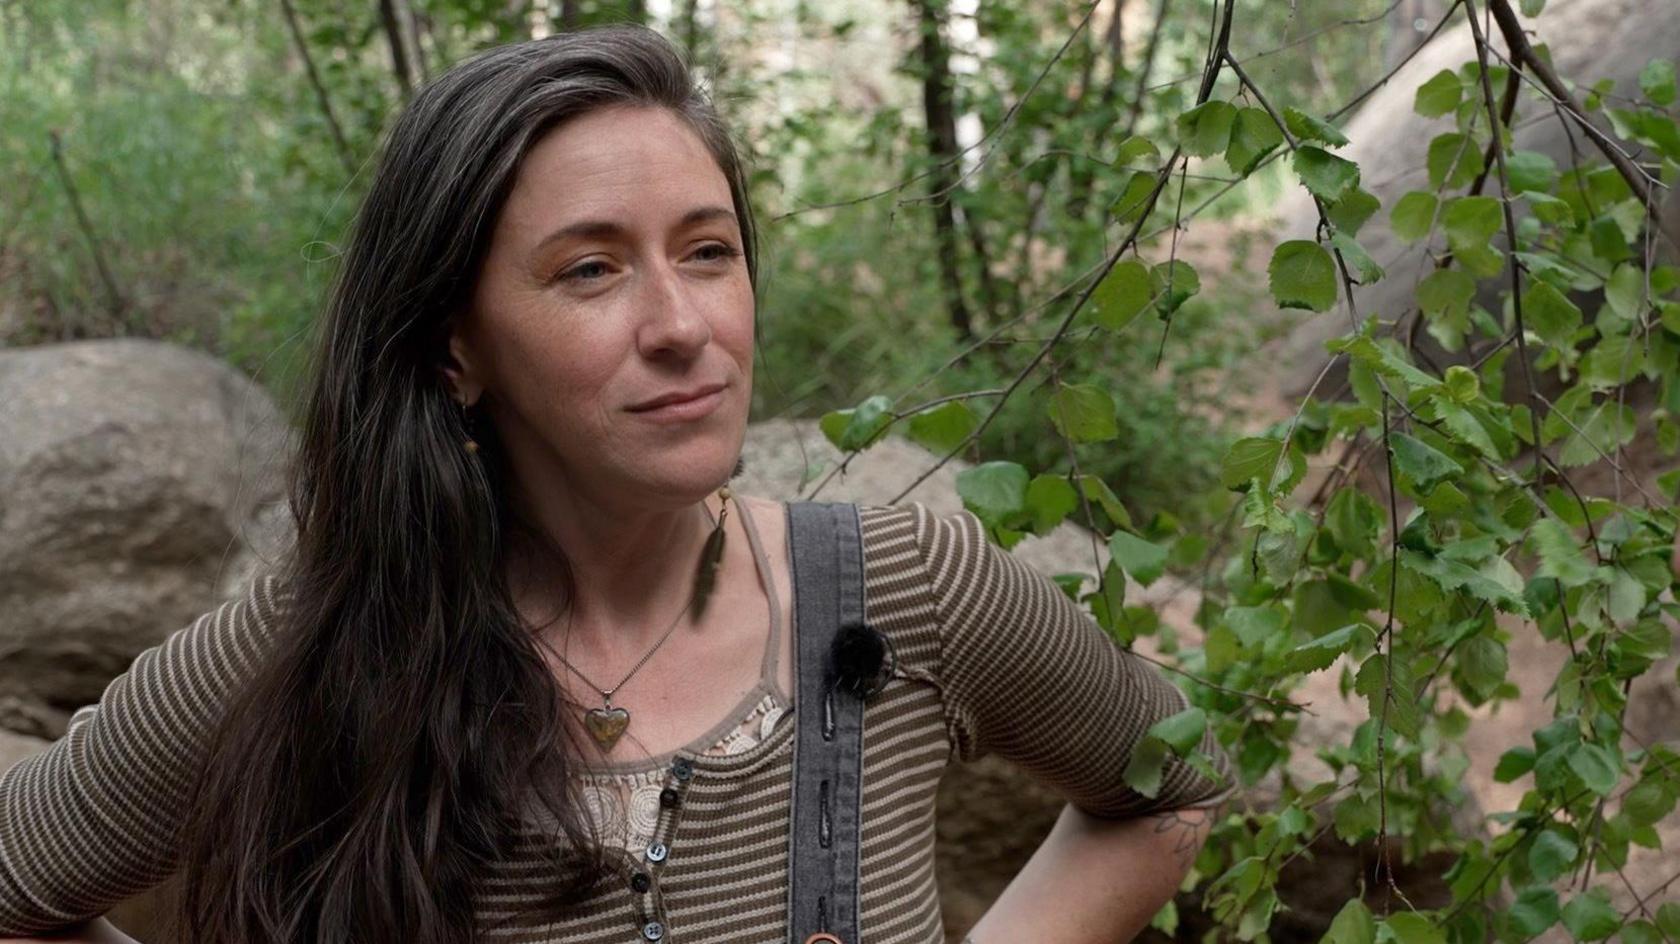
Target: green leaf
(1252,457)
(1306,127)
(1352,925)
(1625,292)
(1322,652)
(1182,731)
(1050,498)
(1413,215)
(1372,681)
(1138,152)
(1532,7)
(944,427)
(1253,136)
(1454,160)
(1596,766)
(1303,275)
(1560,554)
(1513,764)
(1410,927)
(1531,170)
(1649,801)
(859,427)
(1551,314)
(1143,560)
(1253,625)
(1439,95)
(1456,575)
(994,491)
(1206,129)
(1422,463)
(1483,663)
(1656,80)
(1360,265)
(1174,282)
(1461,383)
(1552,854)
(1445,293)
(1590,917)
(1350,212)
(1640,932)
(1134,195)
(1143,769)
(1535,910)
(1470,222)
(1122,295)
(1097,490)
(1084,413)
(1324,174)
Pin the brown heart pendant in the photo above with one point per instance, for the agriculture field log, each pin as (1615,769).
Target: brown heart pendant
(606,725)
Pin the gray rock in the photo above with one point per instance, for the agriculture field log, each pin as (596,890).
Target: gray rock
(135,479)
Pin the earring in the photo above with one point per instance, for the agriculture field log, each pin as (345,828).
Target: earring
(710,556)
(471,443)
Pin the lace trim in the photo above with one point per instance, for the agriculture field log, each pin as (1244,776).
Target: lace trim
(625,806)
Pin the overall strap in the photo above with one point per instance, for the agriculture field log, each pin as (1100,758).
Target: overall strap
(826,541)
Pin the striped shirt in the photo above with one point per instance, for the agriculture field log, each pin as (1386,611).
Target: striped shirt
(992,658)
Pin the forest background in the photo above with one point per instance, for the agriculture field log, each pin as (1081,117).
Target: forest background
(1036,237)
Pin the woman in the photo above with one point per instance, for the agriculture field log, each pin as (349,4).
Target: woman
(523,608)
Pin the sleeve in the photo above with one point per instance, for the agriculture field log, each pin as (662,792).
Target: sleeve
(96,817)
(1030,676)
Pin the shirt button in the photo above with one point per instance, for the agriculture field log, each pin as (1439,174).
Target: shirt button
(641,882)
(669,797)
(682,769)
(653,930)
(656,852)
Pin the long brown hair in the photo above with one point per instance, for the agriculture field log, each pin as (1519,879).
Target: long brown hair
(405,729)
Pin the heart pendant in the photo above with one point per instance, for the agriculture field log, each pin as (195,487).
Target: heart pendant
(606,725)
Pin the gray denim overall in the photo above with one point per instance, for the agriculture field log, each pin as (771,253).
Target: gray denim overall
(827,549)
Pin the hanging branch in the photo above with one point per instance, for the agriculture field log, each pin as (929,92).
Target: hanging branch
(321,98)
(113,298)
(1522,52)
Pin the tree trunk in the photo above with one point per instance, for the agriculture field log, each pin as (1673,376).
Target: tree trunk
(337,130)
(571,14)
(392,25)
(942,148)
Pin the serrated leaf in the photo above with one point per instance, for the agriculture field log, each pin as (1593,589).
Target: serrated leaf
(1535,910)
(1513,764)
(1302,275)
(1321,653)
(1050,498)
(1143,769)
(1324,174)
(1445,293)
(944,427)
(1253,136)
(1122,295)
(1439,95)
(1306,127)
(1560,554)
(1350,212)
(1182,731)
(1656,80)
(1596,766)
(994,491)
(1470,222)
(1552,316)
(1422,463)
(1206,129)
(1174,282)
(1530,170)
(1413,215)
(1134,195)
(1084,413)
(1590,916)
(1552,854)
(1353,924)
(1252,457)
(1453,160)
(1410,927)
(1143,560)
(1372,681)
(1363,268)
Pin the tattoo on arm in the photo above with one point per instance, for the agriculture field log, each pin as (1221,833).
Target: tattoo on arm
(1188,833)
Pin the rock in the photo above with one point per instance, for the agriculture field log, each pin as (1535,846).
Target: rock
(139,488)
(1589,40)
(17,747)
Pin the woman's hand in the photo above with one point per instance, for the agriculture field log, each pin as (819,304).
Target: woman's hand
(1096,881)
(95,931)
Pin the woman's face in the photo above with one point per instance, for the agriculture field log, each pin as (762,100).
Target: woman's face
(614,277)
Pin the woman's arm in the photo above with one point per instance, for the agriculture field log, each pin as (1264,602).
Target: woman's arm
(1095,880)
(97,931)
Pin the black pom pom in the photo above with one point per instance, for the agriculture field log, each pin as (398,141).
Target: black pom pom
(863,659)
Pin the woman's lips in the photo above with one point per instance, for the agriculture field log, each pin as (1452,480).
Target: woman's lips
(684,411)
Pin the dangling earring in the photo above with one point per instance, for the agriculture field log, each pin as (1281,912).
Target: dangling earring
(710,556)
(471,443)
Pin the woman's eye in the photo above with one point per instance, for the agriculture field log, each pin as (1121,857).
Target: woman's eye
(714,252)
(585,272)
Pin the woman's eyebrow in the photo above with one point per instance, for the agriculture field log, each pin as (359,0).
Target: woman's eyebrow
(607,229)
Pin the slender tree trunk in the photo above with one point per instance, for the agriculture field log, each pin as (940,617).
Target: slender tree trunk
(690,29)
(635,11)
(571,14)
(942,149)
(113,297)
(392,25)
(333,126)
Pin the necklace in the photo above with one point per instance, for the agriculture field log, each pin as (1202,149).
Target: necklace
(607,724)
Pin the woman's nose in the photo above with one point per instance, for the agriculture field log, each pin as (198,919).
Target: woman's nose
(673,319)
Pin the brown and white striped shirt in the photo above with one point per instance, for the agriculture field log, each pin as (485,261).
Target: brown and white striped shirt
(992,658)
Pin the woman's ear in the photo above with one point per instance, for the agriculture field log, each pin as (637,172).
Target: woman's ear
(460,368)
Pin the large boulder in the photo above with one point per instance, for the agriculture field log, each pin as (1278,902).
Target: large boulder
(1589,40)
(141,485)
